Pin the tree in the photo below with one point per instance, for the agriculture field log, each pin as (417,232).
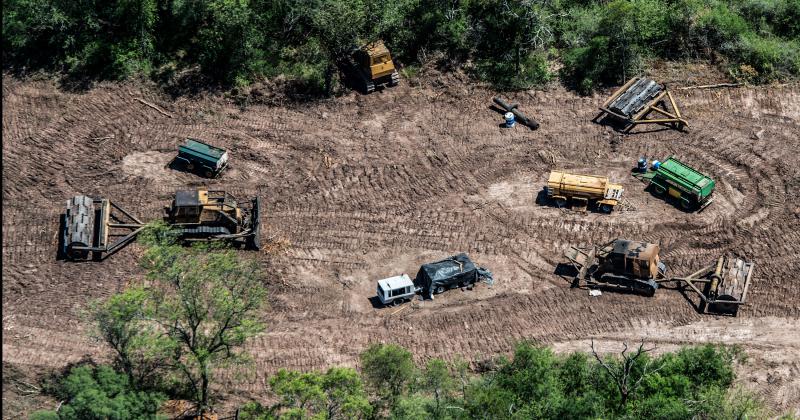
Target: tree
(200,308)
(336,394)
(207,301)
(629,372)
(437,380)
(301,394)
(345,394)
(142,349)
(388,370)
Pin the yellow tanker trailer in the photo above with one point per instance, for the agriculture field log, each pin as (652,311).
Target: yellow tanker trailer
(581,189)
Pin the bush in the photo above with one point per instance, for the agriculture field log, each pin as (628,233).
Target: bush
(532,71)
(99,392)
(771,58)
(388,370)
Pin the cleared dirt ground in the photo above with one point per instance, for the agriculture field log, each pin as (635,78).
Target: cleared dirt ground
(365,187)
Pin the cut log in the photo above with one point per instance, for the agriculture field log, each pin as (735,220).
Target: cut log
(522,118)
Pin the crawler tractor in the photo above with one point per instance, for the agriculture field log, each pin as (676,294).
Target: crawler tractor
(202,215)
(371,66)
(98,227)
(621,263)
(722,286)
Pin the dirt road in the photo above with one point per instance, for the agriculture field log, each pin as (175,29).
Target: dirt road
(365,187)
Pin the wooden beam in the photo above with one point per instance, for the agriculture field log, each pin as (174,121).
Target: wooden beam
(674,105)
(747,281)
(661,111)
(644,111)
(658,121)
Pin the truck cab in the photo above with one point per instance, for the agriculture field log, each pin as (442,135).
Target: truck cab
(396,290)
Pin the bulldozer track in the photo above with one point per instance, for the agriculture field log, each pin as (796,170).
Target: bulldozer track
(364,187)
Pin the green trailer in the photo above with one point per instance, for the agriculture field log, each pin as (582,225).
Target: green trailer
(692,189)
(203,158)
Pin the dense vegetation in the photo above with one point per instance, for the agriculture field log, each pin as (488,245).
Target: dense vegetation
(695,382)
(510,43)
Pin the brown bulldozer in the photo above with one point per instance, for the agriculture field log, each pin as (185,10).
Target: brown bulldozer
(621,263)
(636,266)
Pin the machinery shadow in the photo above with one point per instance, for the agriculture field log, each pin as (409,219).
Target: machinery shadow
(568,272)
(62,226)
(625,127)
(543,200)
(351,80)
(669,200)
(376,303)
(179,166)
(497,109)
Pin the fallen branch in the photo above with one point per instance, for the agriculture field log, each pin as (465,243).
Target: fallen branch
(398,311)
(160,111)
(718,85)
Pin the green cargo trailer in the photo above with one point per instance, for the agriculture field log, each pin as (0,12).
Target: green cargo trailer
(689,187)
(203,158)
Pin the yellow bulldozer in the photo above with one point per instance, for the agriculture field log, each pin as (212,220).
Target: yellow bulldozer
(370,66)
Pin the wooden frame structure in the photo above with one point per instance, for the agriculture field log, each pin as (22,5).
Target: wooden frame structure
(672,117)
(722,287)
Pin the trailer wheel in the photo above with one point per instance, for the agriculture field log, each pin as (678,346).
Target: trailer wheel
(208,174)
(438,290)
(660,190)
(606,208)
(686,205)
(560,202)
(190,166)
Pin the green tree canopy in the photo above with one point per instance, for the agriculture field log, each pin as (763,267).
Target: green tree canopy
(100,393)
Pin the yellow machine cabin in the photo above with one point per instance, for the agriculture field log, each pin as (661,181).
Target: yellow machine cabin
(621,263)
(371,66)
(581,189)
(214,215)
(376,60)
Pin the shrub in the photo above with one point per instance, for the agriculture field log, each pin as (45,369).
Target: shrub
(99,392)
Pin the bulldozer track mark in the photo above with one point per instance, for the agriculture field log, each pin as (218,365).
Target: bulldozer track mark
(361,186)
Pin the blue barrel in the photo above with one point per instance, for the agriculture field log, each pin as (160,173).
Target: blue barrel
(510,119)
(642,165)
(656,165)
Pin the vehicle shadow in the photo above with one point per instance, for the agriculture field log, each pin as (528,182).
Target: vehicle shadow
(669,200)
(376,303)
(543,200)
(625,127)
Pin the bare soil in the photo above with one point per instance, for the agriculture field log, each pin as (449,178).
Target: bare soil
(366,187)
